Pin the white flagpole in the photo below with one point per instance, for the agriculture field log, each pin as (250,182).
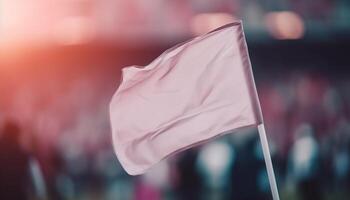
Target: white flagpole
(268,162)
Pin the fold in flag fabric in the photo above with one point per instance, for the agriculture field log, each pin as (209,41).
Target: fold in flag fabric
(191,93)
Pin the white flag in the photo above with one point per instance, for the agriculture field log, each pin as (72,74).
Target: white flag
(191,93)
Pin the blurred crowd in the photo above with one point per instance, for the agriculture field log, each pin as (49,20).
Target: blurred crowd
(307,118)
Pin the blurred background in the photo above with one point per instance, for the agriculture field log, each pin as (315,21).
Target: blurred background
(60,63)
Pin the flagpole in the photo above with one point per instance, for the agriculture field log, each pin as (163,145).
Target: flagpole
(268,162)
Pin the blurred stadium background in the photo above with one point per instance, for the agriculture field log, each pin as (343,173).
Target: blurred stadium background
(60,64)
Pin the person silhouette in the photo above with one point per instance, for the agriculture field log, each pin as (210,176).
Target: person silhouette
(14,162)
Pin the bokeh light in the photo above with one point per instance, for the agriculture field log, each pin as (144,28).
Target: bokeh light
(205,22)
(285,25)
(74,30)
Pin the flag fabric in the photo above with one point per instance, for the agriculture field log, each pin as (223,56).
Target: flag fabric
(191,93)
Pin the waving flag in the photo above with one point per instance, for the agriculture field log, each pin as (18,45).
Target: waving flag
(191,93)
